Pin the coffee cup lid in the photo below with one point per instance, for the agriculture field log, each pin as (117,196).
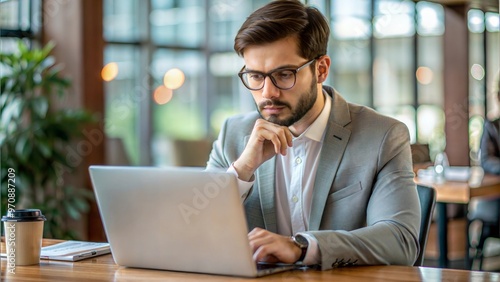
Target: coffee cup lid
(24,215)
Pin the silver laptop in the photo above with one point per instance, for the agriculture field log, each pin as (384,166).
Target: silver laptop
(181,219)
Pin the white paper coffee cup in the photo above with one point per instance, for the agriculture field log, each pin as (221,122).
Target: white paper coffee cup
(23,236)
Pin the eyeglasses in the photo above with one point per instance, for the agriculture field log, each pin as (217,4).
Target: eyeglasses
(283,79)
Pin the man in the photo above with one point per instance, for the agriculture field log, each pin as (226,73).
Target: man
(490,144)
(323,181)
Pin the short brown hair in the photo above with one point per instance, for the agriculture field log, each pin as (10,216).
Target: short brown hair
(283,18)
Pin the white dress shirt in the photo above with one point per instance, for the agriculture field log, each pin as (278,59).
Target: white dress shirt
(295,175)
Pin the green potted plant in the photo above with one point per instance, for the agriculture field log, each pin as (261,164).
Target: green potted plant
(34,135)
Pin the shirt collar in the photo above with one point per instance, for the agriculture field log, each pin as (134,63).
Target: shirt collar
(316,130)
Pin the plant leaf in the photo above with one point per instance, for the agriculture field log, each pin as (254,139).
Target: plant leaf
(11,111)
(22,142)
(44,148)
(40,106)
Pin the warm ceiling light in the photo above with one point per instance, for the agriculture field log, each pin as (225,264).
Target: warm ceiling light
(424,75)
(173,79)
(109,71)
(477,71)
(162,95)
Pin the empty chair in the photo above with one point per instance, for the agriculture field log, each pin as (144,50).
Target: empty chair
(420,153)
(483,221)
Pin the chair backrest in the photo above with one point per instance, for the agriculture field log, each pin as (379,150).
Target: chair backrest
(420,153)
(427,197)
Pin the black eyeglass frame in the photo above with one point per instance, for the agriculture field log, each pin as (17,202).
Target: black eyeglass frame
(294,71)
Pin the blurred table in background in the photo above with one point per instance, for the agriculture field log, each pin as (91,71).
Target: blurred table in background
(458,192)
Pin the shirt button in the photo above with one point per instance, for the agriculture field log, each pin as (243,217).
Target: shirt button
(298,160)
(295,199)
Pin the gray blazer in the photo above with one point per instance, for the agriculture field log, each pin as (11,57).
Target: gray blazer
(365,207)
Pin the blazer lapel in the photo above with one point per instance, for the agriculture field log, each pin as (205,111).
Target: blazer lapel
(265,178)
(334,145)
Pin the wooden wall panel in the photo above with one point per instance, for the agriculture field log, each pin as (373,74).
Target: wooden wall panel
(456,84)
(76,29)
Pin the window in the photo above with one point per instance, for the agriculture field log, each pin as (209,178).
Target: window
(429,76)
(484,73)
(492,77)
(18,19)
(192,38)
(349,50)
(386,54)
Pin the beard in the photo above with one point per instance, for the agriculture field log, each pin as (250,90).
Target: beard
(305,103)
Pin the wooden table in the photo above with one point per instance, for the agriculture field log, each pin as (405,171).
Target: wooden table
(103,268)
(457,193)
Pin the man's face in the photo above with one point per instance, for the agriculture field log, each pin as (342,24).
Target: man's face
(283,107)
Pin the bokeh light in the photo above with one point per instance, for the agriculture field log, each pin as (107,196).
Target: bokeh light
(477,71)
(162,95)
(424,75)
(492,22)
(173,79)
(109,71)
